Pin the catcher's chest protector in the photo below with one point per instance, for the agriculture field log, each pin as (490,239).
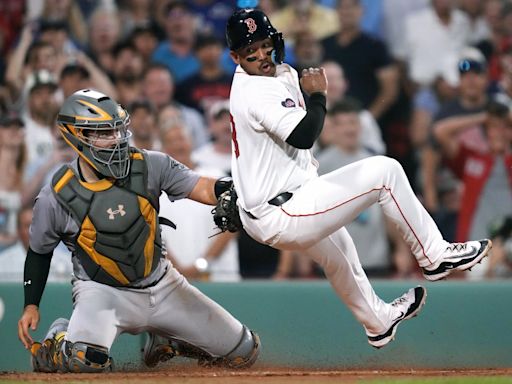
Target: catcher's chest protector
(119,239)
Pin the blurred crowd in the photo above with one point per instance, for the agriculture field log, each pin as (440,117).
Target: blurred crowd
(427,82)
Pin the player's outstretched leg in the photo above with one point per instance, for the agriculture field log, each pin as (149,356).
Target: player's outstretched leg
(160,349)
(408,306)
(458,257)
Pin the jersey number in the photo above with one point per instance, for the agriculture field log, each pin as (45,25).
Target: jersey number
(233,136)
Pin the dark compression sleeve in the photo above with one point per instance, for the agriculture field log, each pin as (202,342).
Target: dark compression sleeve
(309,128)
(37,267)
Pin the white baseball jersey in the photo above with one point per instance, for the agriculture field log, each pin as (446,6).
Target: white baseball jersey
(263,108)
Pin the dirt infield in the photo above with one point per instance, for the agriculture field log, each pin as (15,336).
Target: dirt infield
(194,375)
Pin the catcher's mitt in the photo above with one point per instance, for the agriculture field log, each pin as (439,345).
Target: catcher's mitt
(225,213)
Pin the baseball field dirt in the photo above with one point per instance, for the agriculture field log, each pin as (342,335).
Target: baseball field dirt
(193,375)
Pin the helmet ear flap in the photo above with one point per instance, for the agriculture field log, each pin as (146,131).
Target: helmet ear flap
(278,51)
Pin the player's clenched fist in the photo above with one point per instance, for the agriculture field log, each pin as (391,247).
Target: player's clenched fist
(313,80)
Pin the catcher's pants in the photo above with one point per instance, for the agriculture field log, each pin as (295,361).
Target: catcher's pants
(314,218)
(172,307)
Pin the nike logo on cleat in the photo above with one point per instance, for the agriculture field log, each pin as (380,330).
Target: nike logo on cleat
(399,316)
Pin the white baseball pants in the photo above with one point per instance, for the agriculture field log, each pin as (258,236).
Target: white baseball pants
(171,308)
(314,218)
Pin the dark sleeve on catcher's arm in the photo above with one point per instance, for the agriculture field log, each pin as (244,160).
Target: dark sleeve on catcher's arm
(37,267)
(309,128)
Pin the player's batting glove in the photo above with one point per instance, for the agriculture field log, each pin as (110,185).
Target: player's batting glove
(225,213)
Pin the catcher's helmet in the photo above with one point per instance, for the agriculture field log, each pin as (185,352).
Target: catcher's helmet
(81,120)
(247,26)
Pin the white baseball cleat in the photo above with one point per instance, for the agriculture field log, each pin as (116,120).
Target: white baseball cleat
(409,305)
(458,257)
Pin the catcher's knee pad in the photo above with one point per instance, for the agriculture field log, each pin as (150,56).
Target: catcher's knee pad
(246,351)
(87,358)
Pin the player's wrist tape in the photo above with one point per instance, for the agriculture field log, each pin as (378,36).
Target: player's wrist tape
(37,267)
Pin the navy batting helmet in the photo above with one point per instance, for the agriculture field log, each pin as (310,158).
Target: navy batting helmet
(247,26)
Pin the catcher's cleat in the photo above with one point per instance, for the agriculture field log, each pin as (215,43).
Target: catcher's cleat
(157,350)
(47,356)
(408,305)
(458,257)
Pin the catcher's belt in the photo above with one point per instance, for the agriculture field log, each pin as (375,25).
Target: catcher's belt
(119,240)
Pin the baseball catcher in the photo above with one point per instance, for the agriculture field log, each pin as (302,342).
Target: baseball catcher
(104,207)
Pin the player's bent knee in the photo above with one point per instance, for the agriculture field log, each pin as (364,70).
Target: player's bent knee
(88,358)
(246,352)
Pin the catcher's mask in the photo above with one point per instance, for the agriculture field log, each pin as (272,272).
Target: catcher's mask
(247,26)
(88,116)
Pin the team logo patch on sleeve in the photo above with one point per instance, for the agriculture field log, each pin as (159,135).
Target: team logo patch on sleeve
(288,103)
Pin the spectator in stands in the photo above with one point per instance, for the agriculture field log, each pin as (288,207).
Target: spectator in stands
(143,126)
(12,164)
(371,136)
(82,73)
(177,51)
(395,12)
(29,55)
(217,152)
(212,15)
(305,16)
(307,51)
(40,111)
(472,99)
(104,34)
(478,27)
(40,172)
(127,73)
(441,29)
(503,87)
(12,259)
(55,32)
(372,76)
(345,149)
(67,10)
(145,40)
(500,261)
(211,83)
(494,12)
(486,171)
(158,86)
(134,14)
(190,246)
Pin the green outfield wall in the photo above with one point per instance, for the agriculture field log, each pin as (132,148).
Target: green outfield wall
(303,324)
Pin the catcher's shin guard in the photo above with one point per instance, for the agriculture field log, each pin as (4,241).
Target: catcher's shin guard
(87,358)
(245,353)
(55,354)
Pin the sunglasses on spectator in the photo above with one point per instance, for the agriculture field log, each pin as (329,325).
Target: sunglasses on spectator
(471,66)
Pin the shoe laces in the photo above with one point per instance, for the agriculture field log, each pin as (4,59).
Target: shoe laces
(456,247)
(399,300)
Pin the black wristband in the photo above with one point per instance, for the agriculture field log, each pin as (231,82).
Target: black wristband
(37,267)
(222,185)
